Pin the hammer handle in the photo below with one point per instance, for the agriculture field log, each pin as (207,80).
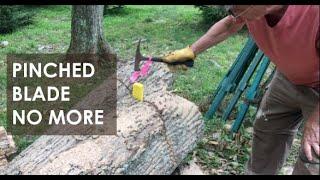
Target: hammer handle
(188,63)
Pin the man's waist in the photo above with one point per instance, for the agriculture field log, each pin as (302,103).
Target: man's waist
(313,85)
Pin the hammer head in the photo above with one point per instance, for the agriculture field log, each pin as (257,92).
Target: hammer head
(138,57)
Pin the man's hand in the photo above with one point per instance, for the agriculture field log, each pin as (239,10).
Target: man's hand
(311,135)
(179,56)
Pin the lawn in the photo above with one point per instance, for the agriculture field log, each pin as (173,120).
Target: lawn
(164,29)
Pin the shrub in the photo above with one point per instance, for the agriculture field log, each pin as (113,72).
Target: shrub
(211,14)
(113,9)
(13,17)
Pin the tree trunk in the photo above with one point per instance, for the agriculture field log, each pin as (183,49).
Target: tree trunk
(153,136)
(87,35)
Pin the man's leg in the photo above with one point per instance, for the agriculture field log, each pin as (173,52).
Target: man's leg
(308,100)
(275,126)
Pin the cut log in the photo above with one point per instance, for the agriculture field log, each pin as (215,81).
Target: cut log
(3,160)
(153,136)
(7,147)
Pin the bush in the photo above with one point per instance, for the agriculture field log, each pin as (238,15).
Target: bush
(113,9)
(13,17)
(212,14)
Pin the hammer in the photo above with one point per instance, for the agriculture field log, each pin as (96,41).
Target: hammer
(139,57)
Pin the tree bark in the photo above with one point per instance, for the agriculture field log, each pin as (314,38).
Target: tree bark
(87,35)
(153,136)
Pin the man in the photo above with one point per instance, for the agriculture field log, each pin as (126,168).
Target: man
(289,36)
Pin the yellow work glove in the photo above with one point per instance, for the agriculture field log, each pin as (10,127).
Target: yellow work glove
(180,55)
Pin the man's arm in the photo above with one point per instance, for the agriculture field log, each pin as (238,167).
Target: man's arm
(311,130)
(217,33)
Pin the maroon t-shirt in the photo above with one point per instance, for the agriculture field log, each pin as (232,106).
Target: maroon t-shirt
(291,43)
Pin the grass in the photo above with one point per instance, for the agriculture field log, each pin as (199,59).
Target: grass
(164,28)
